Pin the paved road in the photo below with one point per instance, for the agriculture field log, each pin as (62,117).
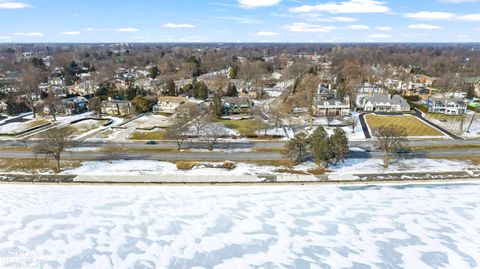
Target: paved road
(15,119)
(240,144)
(222,156)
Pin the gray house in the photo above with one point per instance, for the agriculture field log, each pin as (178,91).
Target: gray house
(385,103)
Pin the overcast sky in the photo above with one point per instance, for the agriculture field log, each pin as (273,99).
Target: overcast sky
(240,21)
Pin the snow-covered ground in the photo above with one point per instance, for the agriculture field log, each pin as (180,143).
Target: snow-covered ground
(239,227)
(471,124)
(355,166)
(13,127)
(134,168)
(350,166)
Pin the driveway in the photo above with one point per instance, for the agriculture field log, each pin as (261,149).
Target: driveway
(365,130)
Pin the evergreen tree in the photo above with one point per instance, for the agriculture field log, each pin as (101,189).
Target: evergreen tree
(232,90)
(339,145)
(217,106)
(470,92)
(153,71)
(200,90)
(141,104)
(320,147)
(233,74)
(296,148)
(130,93)
(170,87)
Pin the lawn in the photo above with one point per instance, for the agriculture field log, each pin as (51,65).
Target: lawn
(88,125)
(247,128)
(413,126)
(155,135)
(36,165)
(35,123)
(443,117)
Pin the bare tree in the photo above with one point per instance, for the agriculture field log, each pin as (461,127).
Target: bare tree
(355,121)
(95,104)
(28,82)
(53,102)
(388,139)
(211,135)
(55,141)
(179,131)
(198,119)
(309,85)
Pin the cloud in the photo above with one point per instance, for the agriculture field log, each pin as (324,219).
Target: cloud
(470,17)
(305,27)
(357,27)
(128,30)
(29,34)
(71,33)
(4,37)
(175,25)
(352,6)
(343,19)
(427,15)
(384,28)
(424,26)
(257,3)
(242,20)
(379,36)
(13,5)
(265,33)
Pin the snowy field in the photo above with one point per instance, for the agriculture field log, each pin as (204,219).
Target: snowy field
(350,166)
(239,227)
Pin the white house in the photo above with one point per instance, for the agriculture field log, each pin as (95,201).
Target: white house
(168,104)
(385,103)
(448,106)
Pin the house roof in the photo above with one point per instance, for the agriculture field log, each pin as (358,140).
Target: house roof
(444,101)
(380,98)
(398,100)
(173,99)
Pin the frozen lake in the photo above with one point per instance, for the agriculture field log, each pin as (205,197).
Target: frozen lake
(239,227)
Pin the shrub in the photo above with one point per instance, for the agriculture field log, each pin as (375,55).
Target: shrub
(229,165)
(185,165)
(420,107)
(414,98)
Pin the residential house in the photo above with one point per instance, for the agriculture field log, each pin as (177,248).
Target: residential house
(327,102)
(70,106)
(385,103)
(168,104)
(237,105)
(116,108)
(448,106)
(332,107)
(422,93)
(366,91)
(75,105)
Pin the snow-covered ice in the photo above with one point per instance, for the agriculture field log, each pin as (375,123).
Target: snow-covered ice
(240,227)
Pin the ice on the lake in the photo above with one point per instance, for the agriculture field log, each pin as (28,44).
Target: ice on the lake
(242,227)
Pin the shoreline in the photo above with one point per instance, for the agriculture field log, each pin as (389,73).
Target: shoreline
(337,183)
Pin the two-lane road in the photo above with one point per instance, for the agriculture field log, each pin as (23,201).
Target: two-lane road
(222,156)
